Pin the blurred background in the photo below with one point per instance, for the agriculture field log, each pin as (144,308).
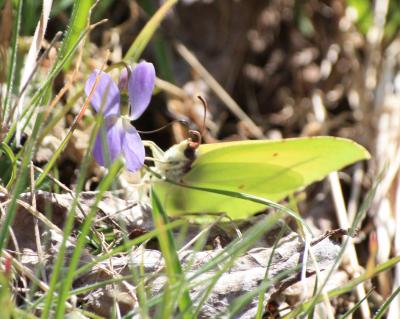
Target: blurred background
(268,69)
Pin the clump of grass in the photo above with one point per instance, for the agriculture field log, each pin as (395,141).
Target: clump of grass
(36,292)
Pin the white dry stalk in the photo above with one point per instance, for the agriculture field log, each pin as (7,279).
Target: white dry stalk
(30,61)
(320,114)
(341,211)
(357,179)
(387,111)
(394,309)
(36,225)
(171,89)
(387,221)
(38,215)
(326,307)
(199,235)
(387,154)
(117,311)
(245,272)
(26,272)
(374,37)
(344,223)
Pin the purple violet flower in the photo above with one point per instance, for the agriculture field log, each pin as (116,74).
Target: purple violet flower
(121,136)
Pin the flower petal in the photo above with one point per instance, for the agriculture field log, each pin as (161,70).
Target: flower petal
(106,93)
(114,138)
(98,150)
(140,88)
(132,148)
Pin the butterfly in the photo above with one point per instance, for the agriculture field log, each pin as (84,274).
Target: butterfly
(271,169)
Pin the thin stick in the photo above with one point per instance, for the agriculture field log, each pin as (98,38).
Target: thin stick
(394,308)
(171,89)
(25,271)
(38,215)
(72,128)
(68,85)
(355,191)
(195,238)
(39,61)
(340,206)
(36,225)
(219,90)
(344,223)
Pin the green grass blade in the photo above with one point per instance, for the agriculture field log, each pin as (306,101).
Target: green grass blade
(361,213)
(31,14)
(381,311)
(228,256)
(245,299)
(54,158)
(19,313)
(89,287)
(126,246)
(161,48)
(80,244)
(248,239)
(9,153)
(244,196)
(82,238)
(77,25)
(346,288)
(101,9)
(68,227)
(143,38)
(172,263)
(13,60)
(261,295)
(21,183)
(41,92)
(357,305)
(61,147)
(60,115)
(239,246)
(6,298)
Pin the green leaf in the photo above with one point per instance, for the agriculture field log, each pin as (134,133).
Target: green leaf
(267,169)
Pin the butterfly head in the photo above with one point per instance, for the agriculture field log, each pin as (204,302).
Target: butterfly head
(178,159)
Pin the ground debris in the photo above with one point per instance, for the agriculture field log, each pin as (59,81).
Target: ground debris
(244,275)
(240,275)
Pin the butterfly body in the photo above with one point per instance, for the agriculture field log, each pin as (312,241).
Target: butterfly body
(176,161)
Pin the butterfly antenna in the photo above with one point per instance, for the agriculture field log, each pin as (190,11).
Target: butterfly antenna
(195,142)
(183,122)
(205,106)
